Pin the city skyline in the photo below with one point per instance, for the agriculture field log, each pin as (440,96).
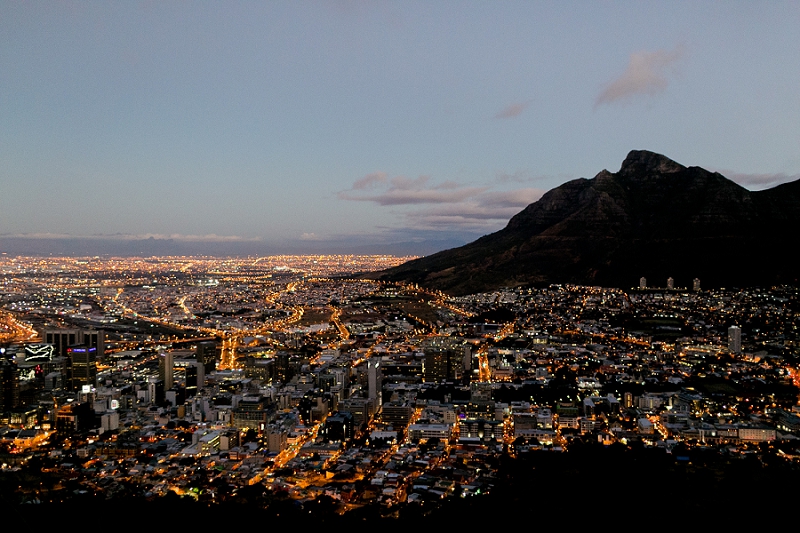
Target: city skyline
(282,387)
(309,126)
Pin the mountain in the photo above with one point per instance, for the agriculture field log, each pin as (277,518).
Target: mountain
(654,218)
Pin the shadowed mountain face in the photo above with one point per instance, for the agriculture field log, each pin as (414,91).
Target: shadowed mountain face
(654,218)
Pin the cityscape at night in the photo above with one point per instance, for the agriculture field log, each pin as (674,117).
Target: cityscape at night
(344,264)
(205,378)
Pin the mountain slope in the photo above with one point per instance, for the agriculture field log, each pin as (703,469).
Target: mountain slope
(653,218)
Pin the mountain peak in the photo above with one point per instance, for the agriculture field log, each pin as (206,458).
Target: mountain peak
(645,162)
(654,218)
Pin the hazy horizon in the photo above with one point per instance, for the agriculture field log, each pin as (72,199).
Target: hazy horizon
(151,246)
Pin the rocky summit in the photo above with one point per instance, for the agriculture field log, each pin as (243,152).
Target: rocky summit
(654,218)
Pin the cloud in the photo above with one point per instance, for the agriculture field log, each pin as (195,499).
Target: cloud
(525,176)
(759,180)
(647,74)
(487,211)
(369,181)
(449,205)
(514,110)
(37,236)
(520,176)
(407,191)
(516,198)
(211,237)
(309,236)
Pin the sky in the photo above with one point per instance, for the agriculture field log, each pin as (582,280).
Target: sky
(293,125)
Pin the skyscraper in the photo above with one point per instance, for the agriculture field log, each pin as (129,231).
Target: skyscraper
(735,339)
(206,353)
(195,378)
(446,358)
(282,369)
(375,381)
(166,365)
(9,385)
(155,389)
(83,365)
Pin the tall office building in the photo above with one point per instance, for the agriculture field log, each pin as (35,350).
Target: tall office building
(62,339)
(362,409)
(206,353)
(446,358)
(375,381)
(670,283)
(166,370)
(339,427)
(283,371)
(9,386)
(642,282)
(696,284)
(82,366)
(195,378)
(735,339)
(155,389)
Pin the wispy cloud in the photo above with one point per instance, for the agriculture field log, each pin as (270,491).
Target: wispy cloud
(520,176)
(211,237)
(762,181)
(647,74)
(404,191)
(517,198)
(486,211)
(369,181)
(514,110)
(443,206)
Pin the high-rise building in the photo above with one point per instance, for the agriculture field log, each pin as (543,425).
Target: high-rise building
(342,374)
(642,282)
(338,427)
(195,378)
(735,339)
(156,390)
(446,358)
(62,339)
(283,372)
(670,283)
(83,366)
(166,371)
(326,381)
(206,353)
(260,368)
(9,386)
(375,381)
(362,409)
(696,284)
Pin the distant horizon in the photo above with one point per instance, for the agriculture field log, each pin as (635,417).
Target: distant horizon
(153,247)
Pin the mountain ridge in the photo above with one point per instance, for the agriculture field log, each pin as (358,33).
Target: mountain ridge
(654,218)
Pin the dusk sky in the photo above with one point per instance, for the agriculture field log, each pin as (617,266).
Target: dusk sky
(286,123)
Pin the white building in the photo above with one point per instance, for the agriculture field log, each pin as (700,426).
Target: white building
(735,339)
